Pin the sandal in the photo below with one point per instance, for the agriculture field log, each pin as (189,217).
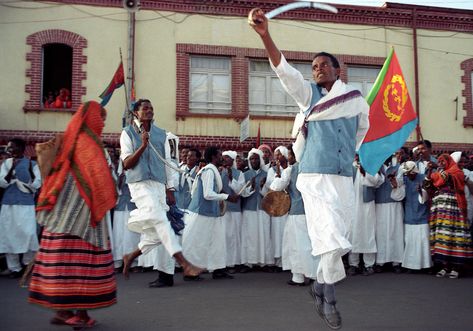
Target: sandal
(77,323)
(60,319)
(442,273)
(453,274)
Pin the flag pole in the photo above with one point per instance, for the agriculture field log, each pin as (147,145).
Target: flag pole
(127,102)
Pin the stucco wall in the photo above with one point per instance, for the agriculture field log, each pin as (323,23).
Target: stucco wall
(157,34)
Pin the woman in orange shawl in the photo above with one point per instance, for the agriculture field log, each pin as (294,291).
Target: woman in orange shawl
(73,269)
(450,239)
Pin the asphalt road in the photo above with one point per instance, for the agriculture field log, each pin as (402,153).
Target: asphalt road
(263,302)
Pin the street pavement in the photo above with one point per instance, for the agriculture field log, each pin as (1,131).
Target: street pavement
(260,301)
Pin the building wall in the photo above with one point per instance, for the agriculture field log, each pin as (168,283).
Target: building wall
(158,32)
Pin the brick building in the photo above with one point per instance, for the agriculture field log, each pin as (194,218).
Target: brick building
(205,70)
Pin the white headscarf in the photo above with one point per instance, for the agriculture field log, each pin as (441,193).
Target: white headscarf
(283,150)
(456,156)
(260,153)
(232,155)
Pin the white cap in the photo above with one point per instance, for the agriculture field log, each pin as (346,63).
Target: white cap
(283,150)
(409,167)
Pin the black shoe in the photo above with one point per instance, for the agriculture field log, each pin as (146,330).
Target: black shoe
(158,283)
(244,269)
(318,301)
(221,275)
(332,316)
(378,269)
(368,271)
(192,278)
(353,271)
(397,269)
(293,283)
(15,274)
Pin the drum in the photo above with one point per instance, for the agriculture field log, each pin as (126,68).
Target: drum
(276,203)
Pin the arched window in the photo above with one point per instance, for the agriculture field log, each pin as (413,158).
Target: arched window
(57,76)
(56,59)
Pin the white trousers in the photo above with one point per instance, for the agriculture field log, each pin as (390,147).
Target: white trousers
(368,259)
(150,218)
(13,260)
(330,209)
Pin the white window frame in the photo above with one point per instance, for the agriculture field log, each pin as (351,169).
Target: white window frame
(367,81)
(210,106)
(269,108)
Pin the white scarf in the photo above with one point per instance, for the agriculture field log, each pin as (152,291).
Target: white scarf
(351,107)
(189,178)
(217,178)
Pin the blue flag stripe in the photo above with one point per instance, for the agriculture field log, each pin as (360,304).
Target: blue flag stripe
(374,153)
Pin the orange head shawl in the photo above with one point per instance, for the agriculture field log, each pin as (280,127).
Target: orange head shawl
(83,155)
(457,177)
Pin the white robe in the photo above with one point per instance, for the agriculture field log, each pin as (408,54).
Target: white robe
(203,242)
(124,240)
(18,222)
(278,223)
(232,221)
(363,230)
(390,231)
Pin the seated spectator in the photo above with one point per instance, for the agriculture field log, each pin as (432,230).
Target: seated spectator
(49,100)
(63,100)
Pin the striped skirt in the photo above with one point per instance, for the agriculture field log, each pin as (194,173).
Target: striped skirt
(450,238)
(69,273)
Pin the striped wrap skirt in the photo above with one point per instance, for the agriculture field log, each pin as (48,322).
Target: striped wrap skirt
(450,238)
(69,273)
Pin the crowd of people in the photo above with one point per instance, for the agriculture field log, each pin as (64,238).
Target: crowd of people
(174,208)
(414,215)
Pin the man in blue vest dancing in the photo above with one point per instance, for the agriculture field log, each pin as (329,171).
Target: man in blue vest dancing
(150,182)
(329,128)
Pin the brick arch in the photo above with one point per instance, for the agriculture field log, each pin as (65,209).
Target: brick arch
(467,93)
(37,41)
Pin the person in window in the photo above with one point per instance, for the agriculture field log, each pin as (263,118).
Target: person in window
(73,269)
(49,100)
(63,100)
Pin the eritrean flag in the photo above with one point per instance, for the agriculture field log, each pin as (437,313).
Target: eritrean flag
(392,117)
(117,81)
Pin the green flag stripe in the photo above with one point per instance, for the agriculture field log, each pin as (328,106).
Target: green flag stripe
(380,79)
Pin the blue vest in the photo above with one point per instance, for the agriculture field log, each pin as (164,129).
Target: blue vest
(253,202)
(124,199)
(183,192)
(330,144)
(297,204)
(383,193)
(149,166)
(202,206)
(414,212)
(12,194)
(231,206)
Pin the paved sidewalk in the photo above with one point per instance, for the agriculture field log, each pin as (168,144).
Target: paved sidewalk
(264,302)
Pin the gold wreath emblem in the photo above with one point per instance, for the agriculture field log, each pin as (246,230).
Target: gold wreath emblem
(396,91)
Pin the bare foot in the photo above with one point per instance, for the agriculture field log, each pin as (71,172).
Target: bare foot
(192,270)
(128,260)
